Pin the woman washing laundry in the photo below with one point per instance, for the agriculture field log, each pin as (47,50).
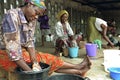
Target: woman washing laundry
(18,27)
(98,27)
(63,33)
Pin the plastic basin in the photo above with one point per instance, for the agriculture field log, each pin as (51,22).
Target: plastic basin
(40,75)
(65,77)
(114,73)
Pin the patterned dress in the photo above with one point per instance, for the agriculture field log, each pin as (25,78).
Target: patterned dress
(17,32)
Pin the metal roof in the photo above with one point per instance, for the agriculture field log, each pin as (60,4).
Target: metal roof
(101,5)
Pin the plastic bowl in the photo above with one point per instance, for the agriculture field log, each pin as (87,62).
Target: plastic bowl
(39,75)
(65,77)
(114,73)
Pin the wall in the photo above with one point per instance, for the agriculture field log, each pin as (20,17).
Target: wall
(78,13)
(113,15)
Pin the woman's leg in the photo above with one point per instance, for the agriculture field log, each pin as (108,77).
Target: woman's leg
(81,72)
(58,46)
(84,63)
(79,38)
(79,69)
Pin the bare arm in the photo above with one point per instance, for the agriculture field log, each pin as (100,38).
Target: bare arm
(104,34)
(32,53)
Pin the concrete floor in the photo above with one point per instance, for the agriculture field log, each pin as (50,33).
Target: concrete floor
(96,72)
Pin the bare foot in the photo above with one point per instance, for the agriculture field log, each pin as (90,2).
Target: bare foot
(84,71)
(85,63)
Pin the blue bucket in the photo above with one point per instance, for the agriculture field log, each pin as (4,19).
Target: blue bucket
(73,51)
(114,73)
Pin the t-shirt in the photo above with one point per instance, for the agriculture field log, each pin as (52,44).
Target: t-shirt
(44,22)
(98,23)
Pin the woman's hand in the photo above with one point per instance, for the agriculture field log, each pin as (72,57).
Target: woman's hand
(110,44)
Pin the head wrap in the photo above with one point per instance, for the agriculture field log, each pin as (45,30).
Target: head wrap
(61,13)
(38,3)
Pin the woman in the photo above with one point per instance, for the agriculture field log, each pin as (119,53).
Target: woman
(98,27)
(18,30)
(56,63)
(63,32)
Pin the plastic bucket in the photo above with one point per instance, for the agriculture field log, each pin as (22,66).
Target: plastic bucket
(91,49)
(73,51)
(114,73)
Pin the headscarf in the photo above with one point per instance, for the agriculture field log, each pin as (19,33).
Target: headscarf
(61,13)
(38,3)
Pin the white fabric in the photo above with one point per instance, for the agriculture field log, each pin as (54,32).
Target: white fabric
(59,32)
(111,59)
(98,23)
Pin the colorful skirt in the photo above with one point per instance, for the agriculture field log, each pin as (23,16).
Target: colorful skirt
(8,65)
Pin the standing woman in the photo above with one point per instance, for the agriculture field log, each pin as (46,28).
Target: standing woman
(63,32)
(98,27)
